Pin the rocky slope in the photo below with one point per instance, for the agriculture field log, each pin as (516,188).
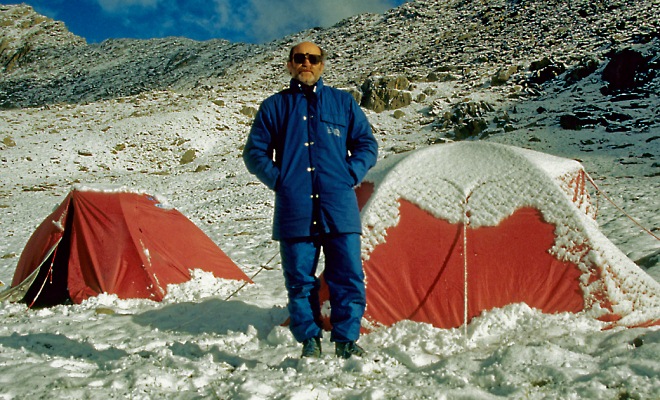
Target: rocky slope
(468,41)
(26,33)
(504,50)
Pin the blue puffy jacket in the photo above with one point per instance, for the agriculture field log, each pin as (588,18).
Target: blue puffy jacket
(311,146)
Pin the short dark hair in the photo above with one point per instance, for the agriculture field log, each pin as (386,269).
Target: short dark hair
(323,52)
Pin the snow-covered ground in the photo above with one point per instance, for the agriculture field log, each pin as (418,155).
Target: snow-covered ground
(200,344)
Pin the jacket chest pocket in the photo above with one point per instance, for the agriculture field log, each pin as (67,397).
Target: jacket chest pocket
(333,126)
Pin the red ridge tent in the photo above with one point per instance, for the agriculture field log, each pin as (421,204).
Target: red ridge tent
(455,229)
(119,242)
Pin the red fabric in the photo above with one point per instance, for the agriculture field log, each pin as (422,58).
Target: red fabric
(363,193)
(41,242)
(126,244)
(418,274)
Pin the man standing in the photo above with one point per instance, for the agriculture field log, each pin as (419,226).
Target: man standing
(311,144)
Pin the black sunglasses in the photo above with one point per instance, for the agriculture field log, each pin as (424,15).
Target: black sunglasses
(300,58)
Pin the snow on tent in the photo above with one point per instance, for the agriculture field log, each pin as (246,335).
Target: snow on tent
(114,241)
(455,229)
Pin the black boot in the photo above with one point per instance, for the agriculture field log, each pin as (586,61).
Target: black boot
(348,349)
(311,348)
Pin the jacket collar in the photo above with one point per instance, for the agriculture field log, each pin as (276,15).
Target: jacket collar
(300,87)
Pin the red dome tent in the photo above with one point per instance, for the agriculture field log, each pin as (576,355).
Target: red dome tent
(119,242)
(452,230)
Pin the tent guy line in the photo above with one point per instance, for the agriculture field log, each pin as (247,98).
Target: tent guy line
(624,212)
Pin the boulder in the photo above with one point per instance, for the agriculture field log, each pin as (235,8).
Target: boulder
(386,93)
(624,69)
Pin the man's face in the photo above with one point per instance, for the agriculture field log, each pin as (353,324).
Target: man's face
(303,69)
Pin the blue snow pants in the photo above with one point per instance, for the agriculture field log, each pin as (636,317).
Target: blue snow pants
(345,278)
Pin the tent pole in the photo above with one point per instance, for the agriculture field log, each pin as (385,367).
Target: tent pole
(465,278)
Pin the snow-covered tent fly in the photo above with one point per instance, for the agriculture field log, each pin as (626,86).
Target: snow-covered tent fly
(455,229)
(113,240)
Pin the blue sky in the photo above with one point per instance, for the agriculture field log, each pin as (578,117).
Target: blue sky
(252,21)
